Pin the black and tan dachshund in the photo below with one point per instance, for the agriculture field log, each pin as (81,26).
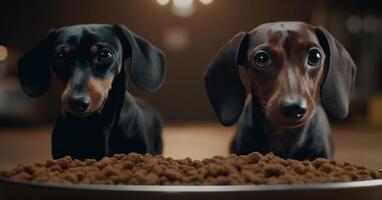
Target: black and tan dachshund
(99,117)
(297,73)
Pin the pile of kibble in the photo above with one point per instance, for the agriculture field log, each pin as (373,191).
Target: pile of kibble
(137,169)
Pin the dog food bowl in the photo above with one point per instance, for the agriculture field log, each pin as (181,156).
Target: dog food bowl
(358,190)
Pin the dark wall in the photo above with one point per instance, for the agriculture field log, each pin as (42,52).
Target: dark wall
(183,97)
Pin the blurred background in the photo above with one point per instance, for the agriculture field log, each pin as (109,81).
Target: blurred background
(190,32)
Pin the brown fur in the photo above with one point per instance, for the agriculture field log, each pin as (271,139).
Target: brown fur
(93,49)
(290,77)
(67,49)
(98,91)
(65,95)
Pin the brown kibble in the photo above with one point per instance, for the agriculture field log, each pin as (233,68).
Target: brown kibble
(222,180)
(71,177)
(147,169)
(171,174)
(64,162)
(49,163)
(39,164)
(300,169)
(197,164)
(102,163)
(319,161)
(306,163)
(350,168)
(274,170)
(77,163)
(375,173)
(128,165)
(253,158)
(29,170)
(185,161)
(363,172)
(118,156)
(110,171)
(89,162)
(215,170)
(55,168)
(326,167)
(360,167)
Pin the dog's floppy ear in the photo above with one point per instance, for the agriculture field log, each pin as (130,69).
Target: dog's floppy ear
(224,87)
(33,68)
(339,77)
(147,65)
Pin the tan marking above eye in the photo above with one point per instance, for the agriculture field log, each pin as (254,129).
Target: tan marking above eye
(94,49)
(67,49)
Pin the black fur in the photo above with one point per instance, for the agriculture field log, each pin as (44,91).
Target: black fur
(123,124)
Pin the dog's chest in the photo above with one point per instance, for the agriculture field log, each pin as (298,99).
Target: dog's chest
(283,141)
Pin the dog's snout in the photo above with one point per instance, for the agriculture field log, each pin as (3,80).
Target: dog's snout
(79,104)
(293,109)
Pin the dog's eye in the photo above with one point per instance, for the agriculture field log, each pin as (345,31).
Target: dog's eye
(104,56)
(314,57)
(60,57)
(261,59)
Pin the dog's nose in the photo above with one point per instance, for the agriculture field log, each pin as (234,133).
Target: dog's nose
(79,104)
(293,110)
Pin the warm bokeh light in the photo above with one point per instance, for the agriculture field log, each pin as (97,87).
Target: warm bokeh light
(163,2)
(206,2)
(177,38)
(183,3)
(3,53)
(183,8)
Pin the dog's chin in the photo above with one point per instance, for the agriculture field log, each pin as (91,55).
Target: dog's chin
(80,115)
(291,124)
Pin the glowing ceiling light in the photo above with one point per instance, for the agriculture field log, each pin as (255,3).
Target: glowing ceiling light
(183,12)
(163,2)
(3,53)
(206,2)
(183,8)
(183,3)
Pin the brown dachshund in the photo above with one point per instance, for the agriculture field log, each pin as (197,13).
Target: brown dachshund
(298,73)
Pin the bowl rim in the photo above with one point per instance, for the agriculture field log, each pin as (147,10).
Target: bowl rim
(199,188)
